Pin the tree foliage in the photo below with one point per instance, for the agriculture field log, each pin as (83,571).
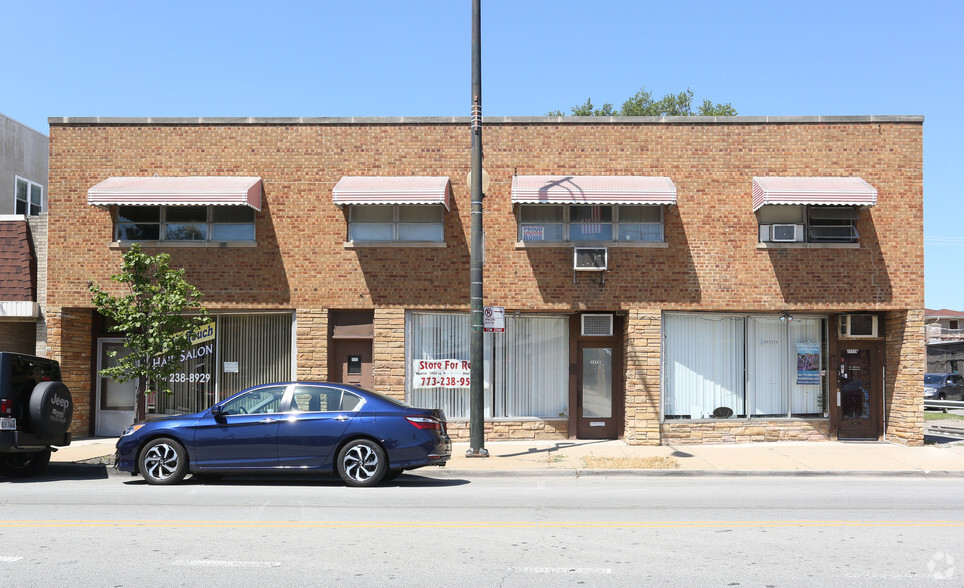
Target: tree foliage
(642,104)
(156,316)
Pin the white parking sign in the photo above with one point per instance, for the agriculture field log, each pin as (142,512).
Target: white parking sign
(493,319)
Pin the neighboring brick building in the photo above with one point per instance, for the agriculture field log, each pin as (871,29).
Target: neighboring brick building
(763,276)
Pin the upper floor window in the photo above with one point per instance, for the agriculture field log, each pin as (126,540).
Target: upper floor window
(783,223)
(184,223)
(595,222)
(396,222)
(30,197)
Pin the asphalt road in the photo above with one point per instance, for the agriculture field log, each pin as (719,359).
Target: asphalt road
(489,531)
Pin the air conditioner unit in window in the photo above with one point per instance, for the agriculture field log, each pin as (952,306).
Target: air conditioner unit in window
(857,325)
(786,233)
(598,325)
(590,259)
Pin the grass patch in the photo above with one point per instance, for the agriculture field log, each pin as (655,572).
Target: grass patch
(936,415)
(630,463)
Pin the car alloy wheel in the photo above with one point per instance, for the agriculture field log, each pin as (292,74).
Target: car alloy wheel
(163,461)
(362,463)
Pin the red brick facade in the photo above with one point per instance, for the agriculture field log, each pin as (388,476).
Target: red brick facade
(711,260)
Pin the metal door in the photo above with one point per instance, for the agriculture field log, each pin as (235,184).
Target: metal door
(595,392)
(858,393)
(353,362)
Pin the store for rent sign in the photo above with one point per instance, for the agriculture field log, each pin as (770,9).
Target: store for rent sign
(440,373)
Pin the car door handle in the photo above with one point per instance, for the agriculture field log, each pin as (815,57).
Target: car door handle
(267,421)
(342,417)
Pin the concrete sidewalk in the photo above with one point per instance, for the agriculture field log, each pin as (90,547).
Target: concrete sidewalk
(832,457)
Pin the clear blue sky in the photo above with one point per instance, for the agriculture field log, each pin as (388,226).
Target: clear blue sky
(397,58)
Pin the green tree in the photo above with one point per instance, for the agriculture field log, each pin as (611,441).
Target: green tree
(642,104)
(156,316)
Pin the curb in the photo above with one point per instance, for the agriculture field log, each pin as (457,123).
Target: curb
(100,470)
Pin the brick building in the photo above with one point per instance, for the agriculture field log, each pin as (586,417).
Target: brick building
(664,280)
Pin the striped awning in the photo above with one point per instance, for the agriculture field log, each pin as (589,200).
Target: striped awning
(168,191)
(828,191)
(391,190)
(593,190)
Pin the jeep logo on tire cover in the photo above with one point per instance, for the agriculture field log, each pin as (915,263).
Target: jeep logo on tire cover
(51,409)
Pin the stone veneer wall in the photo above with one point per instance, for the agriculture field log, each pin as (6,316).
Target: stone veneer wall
(312,338)
(69,341)
(388,352)
(513,430)
(38,235)
(906,364)
(745,431)
(642,357)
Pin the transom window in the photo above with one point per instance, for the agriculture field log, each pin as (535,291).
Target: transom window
(396,222)
(565,223)
(808,224)
(30,197)
(184,223)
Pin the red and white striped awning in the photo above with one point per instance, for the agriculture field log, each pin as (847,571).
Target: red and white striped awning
(593,190)
(178,191)
(828,191)
(391,190)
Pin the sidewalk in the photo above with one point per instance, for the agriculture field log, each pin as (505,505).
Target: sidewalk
(585,457)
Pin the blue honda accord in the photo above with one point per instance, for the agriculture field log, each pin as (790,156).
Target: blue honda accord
(364,436)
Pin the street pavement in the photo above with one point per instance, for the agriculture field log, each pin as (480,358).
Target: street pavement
(584,457)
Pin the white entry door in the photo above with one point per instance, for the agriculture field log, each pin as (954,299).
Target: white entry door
(115,400)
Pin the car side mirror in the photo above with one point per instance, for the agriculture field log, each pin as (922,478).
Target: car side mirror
(218,414)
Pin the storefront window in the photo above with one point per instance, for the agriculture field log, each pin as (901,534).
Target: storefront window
(233,352)
(720,366)
(525,368)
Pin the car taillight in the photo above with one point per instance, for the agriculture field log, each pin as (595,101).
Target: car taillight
(6,406)
(424,422)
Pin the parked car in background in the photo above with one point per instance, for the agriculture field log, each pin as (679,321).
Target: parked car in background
(363,436)
(943,387)
(35,412)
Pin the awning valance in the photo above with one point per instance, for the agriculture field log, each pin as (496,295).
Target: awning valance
(828,191)
(173,191)
(593,190)
(391,190)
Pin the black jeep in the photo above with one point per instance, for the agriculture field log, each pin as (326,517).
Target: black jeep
(35,412)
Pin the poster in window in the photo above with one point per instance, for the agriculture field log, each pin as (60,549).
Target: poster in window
(531,233)
(808,364)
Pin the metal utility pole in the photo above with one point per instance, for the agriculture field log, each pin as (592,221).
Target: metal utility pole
(476,400)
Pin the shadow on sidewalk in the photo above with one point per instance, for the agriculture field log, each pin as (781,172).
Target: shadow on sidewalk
(556,447)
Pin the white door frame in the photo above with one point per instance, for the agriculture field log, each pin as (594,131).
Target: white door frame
(110,423)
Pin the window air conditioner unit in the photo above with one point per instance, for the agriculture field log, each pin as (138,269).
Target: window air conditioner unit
(590,259)
(598,325)
(786,233)
(857,325)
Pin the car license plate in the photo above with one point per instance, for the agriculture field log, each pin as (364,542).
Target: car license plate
(8,424)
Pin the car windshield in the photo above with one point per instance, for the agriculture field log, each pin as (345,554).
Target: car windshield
(933,379)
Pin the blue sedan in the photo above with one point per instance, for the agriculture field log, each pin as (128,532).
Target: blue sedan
(364,436)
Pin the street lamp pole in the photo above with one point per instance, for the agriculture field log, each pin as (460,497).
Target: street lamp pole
(476,400)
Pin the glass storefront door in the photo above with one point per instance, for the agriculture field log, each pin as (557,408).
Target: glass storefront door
(595,392)
(115,400)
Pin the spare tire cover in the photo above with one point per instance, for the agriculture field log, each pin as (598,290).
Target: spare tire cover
(51,408)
